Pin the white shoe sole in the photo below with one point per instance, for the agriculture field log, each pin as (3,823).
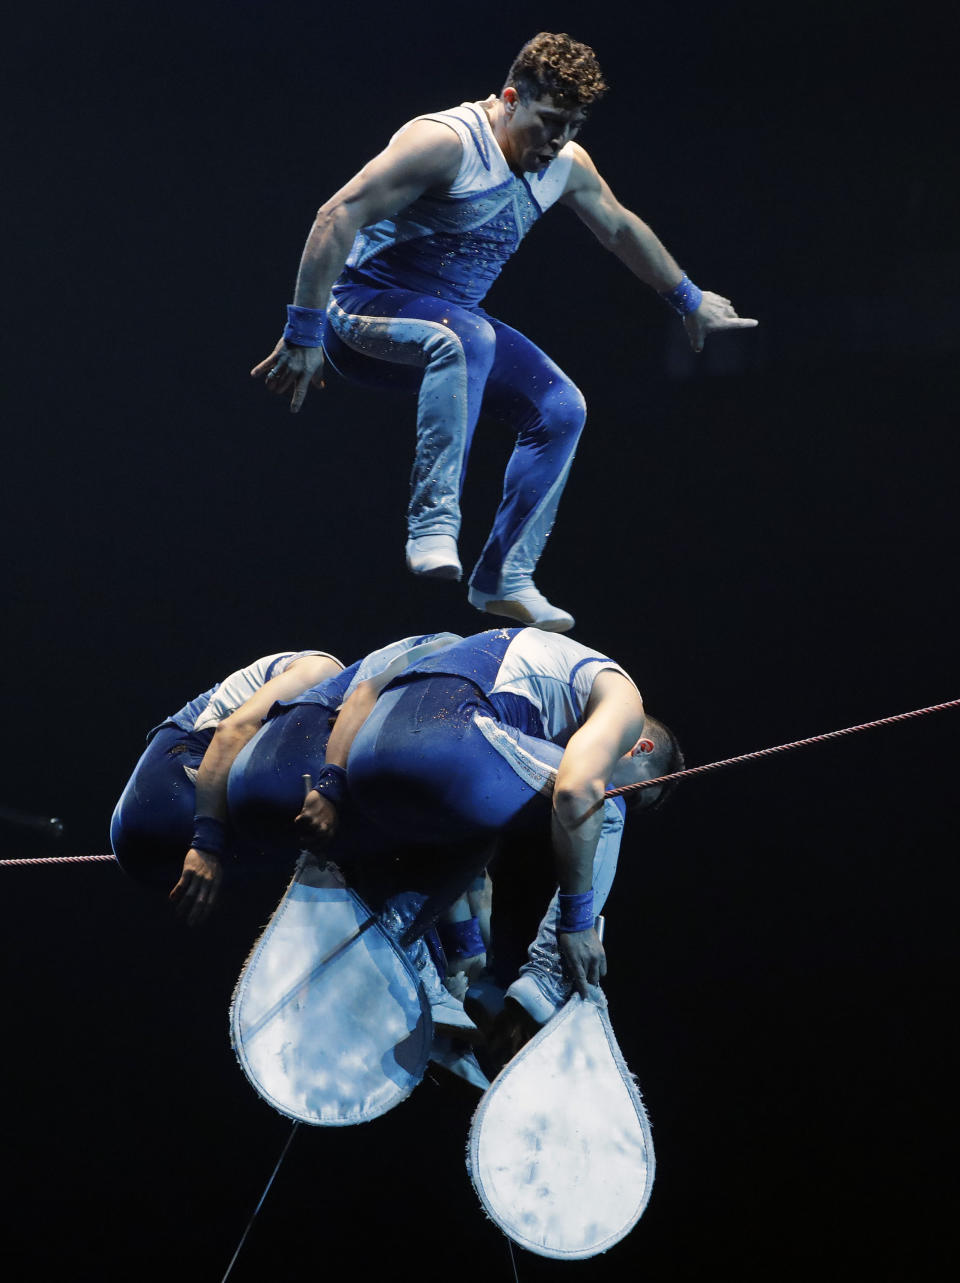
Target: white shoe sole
(437,562)
(528,607)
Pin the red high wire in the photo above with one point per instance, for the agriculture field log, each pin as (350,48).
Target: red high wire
(642,784)
(780,748)
(61,859)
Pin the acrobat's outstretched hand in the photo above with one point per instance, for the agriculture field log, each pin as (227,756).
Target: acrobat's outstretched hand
(196,892)
(714,314)
(290,369)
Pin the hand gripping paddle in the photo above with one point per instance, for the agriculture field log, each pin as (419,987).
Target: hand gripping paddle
(560,1150)
(329,1020)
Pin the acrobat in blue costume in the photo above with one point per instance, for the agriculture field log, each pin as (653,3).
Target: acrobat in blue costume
(405,314)
(459,749)
(152,823)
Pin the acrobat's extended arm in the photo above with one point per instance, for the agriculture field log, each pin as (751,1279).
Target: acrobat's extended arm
(196,892)
(317,821)
(619,230)
(613,724)
(425,154)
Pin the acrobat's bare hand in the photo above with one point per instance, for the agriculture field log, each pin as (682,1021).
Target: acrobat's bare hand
(457,984)
(469,968)
(713,314)
(317,822)
(196,892)
(583,958)
(290,370)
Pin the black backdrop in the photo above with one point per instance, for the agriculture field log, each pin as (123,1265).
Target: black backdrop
(765,537)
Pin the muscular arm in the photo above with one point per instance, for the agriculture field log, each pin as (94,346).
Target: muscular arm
(199,883)
(426,154)
(318,817)
(616,227)
(619,230)
(240,727)
(351,717)
(613,724)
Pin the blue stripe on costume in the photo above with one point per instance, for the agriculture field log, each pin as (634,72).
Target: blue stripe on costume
(476,131)
(591,659)
(476,658)
(518,711)
(529,190)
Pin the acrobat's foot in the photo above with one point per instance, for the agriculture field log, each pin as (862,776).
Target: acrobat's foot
(449,1017)
(524,603)
(434,556)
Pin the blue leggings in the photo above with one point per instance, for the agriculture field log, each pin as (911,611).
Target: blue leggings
(463,361)
(421,768)
(153,822)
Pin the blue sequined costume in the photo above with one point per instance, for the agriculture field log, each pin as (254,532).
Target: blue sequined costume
(463,747)
(406,313)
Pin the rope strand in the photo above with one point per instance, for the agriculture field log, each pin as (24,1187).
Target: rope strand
(686,774)
(780,748)
(60,859)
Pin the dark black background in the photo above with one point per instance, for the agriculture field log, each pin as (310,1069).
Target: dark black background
(765,537)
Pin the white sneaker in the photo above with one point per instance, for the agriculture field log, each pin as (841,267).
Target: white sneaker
(525,604)
(434,556)
(448,1015)
(447,1012)
(528,994)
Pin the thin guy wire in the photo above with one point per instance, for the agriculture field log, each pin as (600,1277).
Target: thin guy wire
(256,1210)
(513,1260)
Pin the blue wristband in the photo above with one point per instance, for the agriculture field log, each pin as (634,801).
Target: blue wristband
(685,297)
(576,911)
(304,325)
(462,939)
(332,783)
(209,834)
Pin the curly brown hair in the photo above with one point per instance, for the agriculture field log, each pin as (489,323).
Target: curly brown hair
(554,65)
